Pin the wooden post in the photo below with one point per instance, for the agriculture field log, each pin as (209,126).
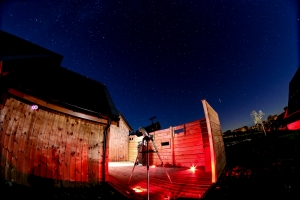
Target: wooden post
(172,145)
(211,145)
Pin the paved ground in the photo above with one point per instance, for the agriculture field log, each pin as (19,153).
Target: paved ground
(184,183)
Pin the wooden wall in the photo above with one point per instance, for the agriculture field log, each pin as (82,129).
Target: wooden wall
(216,141)
(133,147)
(188,146)
(118,143)
(185,145)
(161,139)
(180,146)
(47,147)
(206,145)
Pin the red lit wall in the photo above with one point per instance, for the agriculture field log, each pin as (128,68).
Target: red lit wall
(294,125)
(41,145)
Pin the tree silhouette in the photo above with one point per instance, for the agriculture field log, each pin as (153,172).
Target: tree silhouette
(257,118)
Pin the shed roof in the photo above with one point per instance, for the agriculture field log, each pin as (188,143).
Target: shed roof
(35,70)
(13,48)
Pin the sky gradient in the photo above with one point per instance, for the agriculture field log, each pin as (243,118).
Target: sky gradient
(161,58)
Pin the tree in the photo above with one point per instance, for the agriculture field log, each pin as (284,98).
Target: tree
(227,133)
(271,122)
(244,129)
(257,118)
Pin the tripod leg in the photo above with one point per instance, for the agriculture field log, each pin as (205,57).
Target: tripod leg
(139,151)
(148,190)
(161,160)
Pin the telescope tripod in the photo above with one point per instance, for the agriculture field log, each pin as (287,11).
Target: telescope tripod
(148,139)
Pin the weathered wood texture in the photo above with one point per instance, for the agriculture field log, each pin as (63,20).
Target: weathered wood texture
(162,140)
(60,109)
(42,145)
(133,147)
(118,143)
(180,146)
(206,145)
(217,139)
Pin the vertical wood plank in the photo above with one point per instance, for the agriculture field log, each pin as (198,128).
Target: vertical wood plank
(91,173)
(78,153)
(97,152)
(60,149)
(70,124)
(15,144)
(4,116)
(45,146)
(20,144)
(27,131)
(33,162)
(73,145)
(84,162)
(100,151)
(50,145)
(54,145)
(106,154)
(9,138)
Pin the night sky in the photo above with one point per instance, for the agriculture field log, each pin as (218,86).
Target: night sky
(161,58)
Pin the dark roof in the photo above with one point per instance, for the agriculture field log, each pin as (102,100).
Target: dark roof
(44,78)
(13,48)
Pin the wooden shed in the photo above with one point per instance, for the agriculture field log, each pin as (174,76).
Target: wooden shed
(198,143)
(118,140)
(54,123)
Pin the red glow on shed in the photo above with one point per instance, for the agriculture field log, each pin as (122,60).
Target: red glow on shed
(294,125)
(193,168)
(138,189)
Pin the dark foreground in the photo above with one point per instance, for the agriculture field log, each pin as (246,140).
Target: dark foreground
(103,191)
(266,167)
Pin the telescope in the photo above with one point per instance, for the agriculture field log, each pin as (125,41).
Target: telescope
(144,131)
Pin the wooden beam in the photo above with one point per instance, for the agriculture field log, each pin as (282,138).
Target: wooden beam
(45,104)
(211,145)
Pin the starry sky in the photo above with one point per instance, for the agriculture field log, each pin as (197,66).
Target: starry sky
(162,57)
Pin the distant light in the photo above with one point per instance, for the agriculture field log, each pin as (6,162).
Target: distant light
(153,166)
(34,107)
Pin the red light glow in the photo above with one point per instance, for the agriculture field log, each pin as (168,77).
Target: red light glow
(138,189)
(153,166)
(193,168)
